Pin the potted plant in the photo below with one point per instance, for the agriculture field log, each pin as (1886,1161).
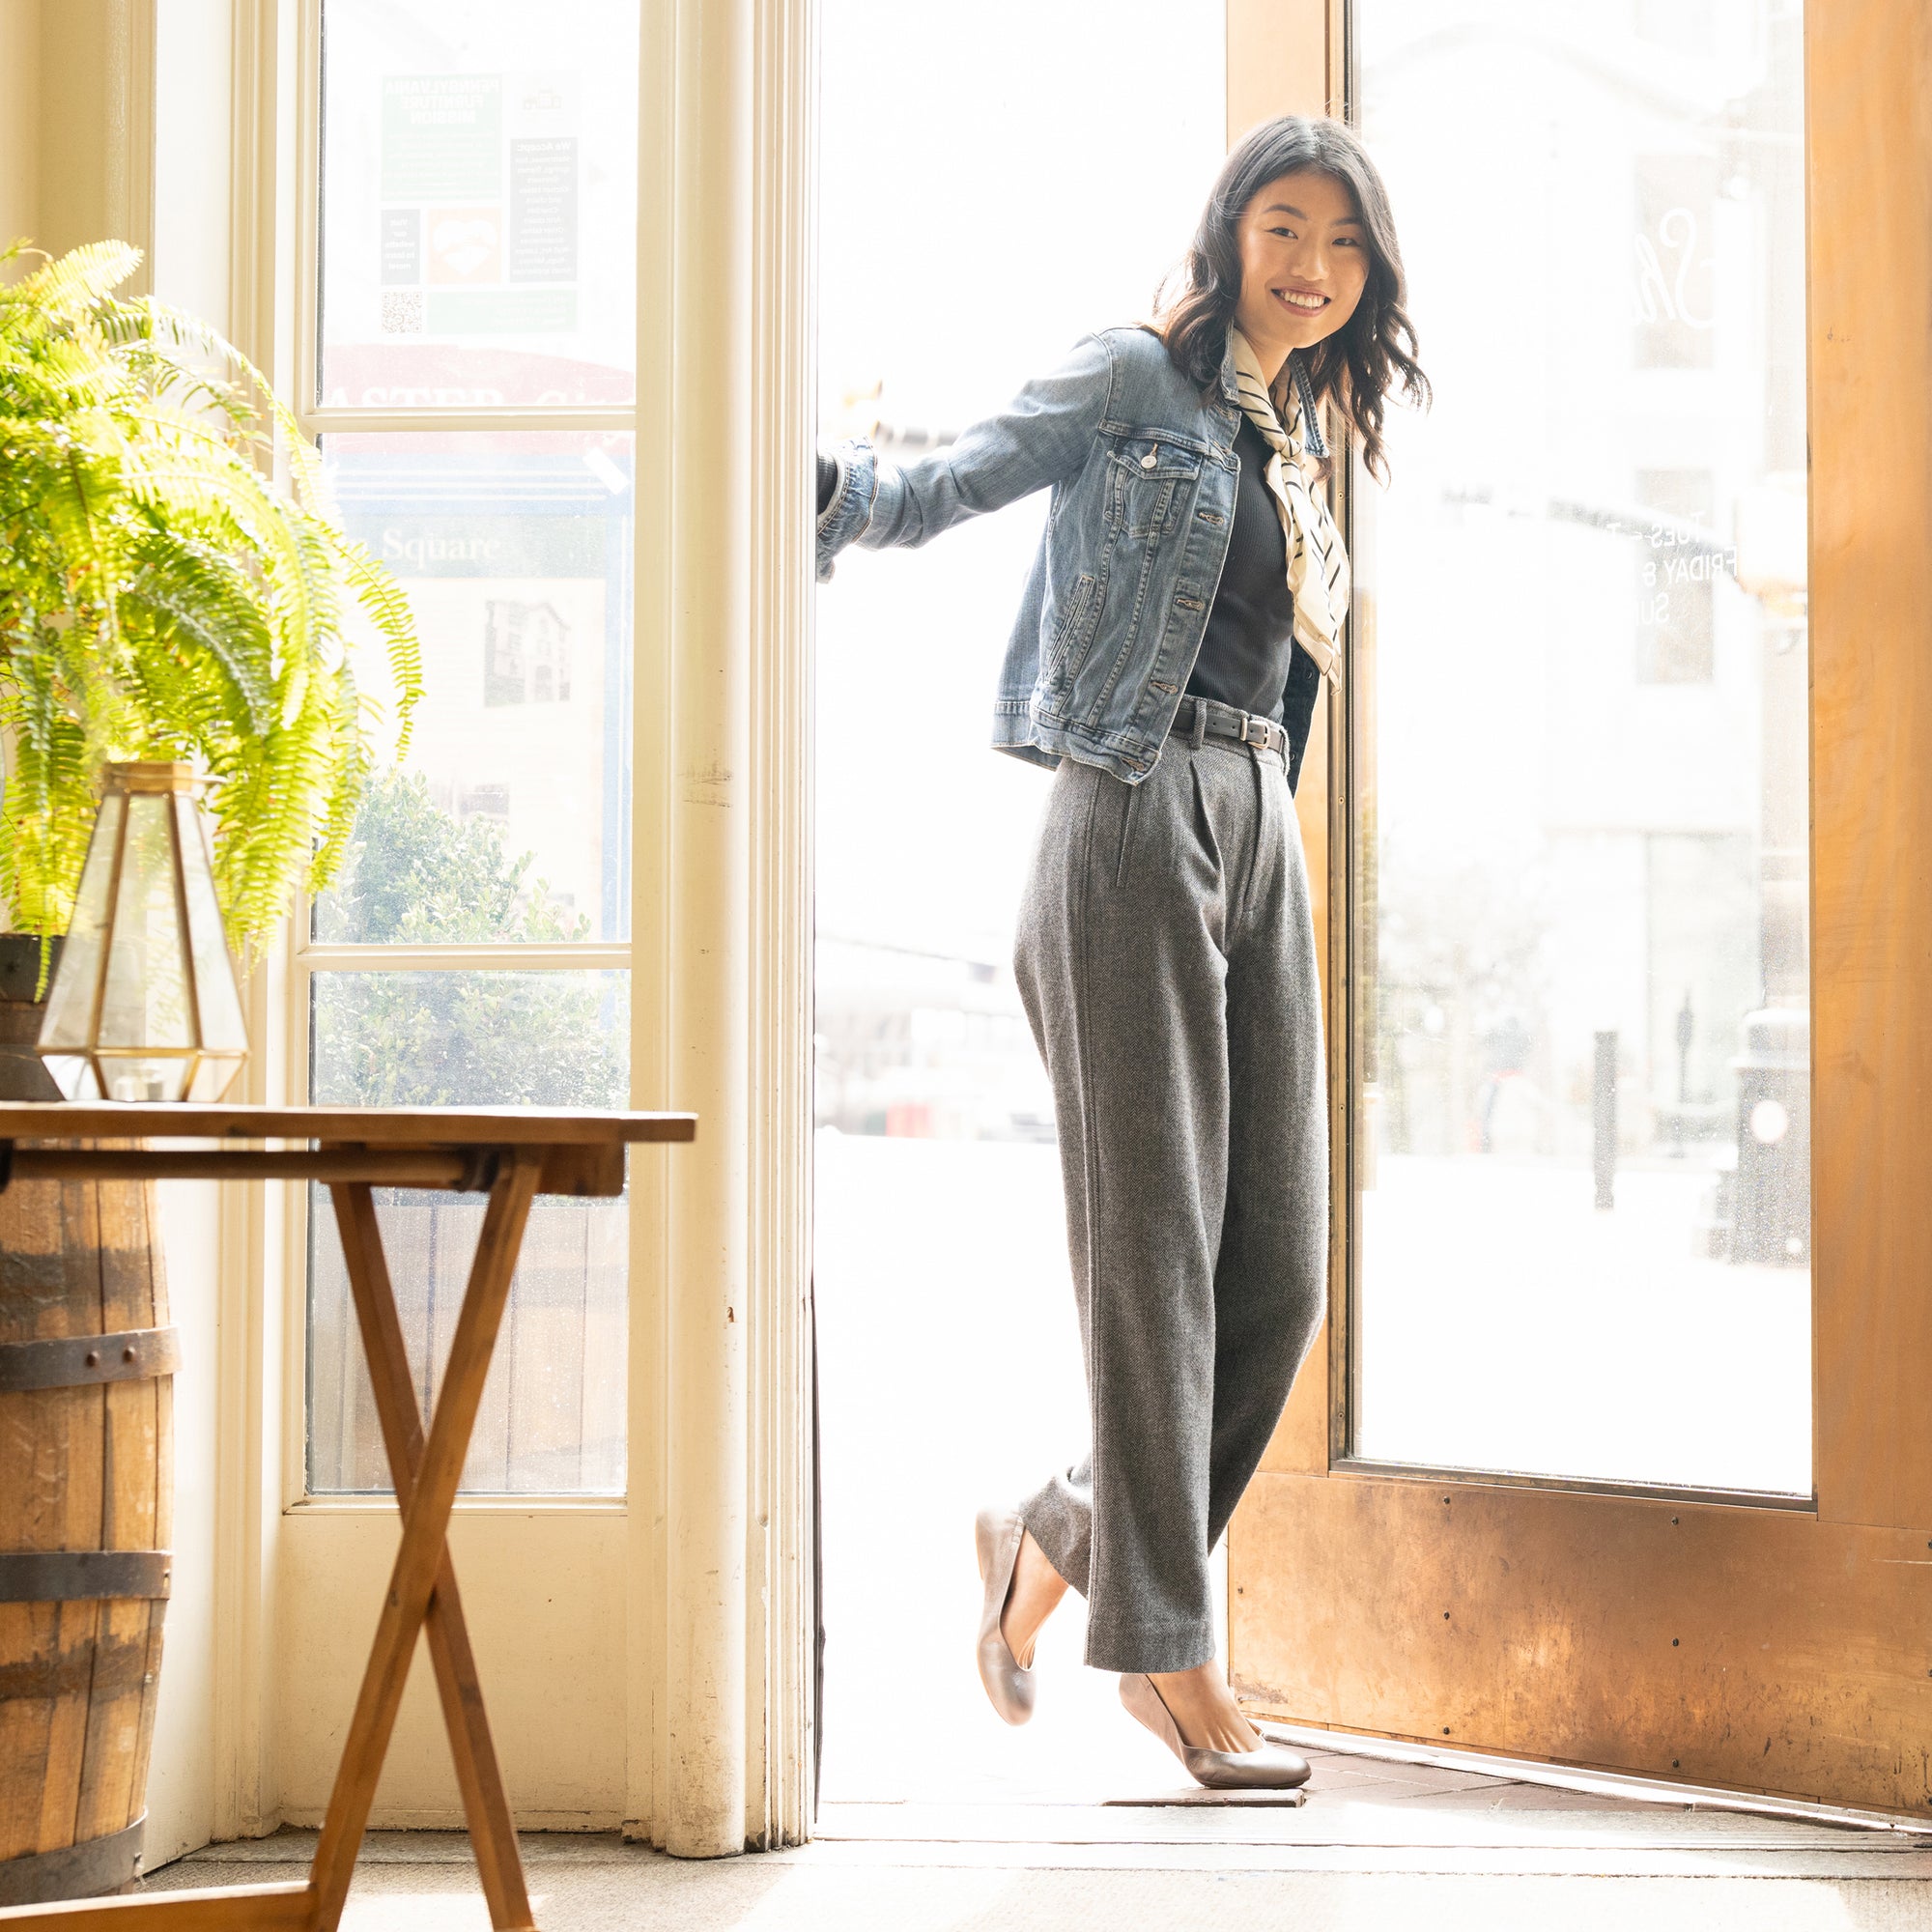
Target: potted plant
(162,597)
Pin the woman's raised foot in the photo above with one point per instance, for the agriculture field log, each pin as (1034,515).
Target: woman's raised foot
(1204,1708)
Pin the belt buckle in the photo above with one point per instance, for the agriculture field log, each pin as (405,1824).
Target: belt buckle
(1250,727)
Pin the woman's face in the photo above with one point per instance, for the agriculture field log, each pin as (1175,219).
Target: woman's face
(1305,264)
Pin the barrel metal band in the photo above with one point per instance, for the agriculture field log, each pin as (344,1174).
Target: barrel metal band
(86,1870)
(72,1362)
(63,1576)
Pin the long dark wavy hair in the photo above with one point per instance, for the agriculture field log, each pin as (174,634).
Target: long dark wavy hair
(1373,352)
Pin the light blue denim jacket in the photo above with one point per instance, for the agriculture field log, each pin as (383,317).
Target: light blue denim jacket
(1143,471)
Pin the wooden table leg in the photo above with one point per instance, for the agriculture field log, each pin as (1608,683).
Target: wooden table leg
(485,1803)
(421,1558)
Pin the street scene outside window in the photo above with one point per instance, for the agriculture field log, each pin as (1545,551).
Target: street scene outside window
(1580,1098)
(477,252)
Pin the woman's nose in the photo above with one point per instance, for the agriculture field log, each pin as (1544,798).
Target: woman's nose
(1309,262)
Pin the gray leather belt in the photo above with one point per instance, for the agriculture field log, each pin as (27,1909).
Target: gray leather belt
(1203,717)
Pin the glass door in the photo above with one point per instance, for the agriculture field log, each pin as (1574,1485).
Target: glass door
(1617,1454)
(1580,1007)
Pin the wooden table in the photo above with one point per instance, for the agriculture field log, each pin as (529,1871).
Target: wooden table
(511,1153)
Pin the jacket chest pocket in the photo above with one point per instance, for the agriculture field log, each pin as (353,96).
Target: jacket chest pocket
(1149,484)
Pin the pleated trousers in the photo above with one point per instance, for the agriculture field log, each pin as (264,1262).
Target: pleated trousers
(1166,958)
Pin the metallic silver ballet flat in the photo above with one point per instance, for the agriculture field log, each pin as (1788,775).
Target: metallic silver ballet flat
(1271,1768)
(1009,1687)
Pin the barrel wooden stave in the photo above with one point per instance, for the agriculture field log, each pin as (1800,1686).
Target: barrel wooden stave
(81,1468)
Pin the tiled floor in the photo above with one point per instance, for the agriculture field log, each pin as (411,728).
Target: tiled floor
(1378,1846)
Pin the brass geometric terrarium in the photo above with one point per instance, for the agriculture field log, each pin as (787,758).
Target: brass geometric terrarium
(144,1004)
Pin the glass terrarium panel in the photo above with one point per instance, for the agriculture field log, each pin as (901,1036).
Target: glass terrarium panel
(69,1014)
(214,1074)
(552,1417)
(479,203)
(145,1076)
(508,819)
(1578,709)
(74,1075)
(223,1030)
(145,1001)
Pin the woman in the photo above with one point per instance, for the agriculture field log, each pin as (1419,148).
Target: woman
(1186,603)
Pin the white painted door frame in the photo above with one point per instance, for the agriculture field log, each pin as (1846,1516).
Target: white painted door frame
(721,1266)
(702,1597)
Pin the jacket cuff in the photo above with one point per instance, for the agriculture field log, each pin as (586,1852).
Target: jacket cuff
(850,509)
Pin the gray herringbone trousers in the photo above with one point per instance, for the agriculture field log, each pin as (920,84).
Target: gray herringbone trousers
(1166,959)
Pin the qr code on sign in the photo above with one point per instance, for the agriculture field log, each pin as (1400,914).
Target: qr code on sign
(402,312)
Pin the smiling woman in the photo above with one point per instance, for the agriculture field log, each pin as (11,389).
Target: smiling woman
(1299,245)
(1186,599)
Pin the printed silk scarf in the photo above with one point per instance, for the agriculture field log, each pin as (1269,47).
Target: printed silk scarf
(1317,566)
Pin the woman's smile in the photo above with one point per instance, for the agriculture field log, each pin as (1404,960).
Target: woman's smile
(1304,302)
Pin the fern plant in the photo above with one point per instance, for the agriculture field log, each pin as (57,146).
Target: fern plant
(162,598)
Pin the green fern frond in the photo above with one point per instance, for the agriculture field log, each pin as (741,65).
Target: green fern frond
(388,608)
(160,597)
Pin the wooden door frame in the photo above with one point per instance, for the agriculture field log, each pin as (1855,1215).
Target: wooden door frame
(1764,1649)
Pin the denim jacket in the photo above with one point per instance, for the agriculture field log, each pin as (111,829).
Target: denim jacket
(1143,471)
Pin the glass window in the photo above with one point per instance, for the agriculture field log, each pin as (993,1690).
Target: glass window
(478,259)
(1578,717)
(515,551)
(552,1421)
(479,203)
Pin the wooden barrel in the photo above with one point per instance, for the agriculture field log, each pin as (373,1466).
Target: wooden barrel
(86,1509)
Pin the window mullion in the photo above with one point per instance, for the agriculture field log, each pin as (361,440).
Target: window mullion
(566,957)
(446,421)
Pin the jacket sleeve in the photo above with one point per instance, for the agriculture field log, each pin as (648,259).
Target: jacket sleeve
(1040,438)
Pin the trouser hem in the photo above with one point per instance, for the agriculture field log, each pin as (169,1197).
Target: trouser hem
(1129,1651)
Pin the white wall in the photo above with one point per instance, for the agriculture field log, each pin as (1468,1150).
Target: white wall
(181,1776)
(86,151)
(187,206)
(19,124)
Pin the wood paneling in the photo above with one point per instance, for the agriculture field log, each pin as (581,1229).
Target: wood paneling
(1766,1650)
(1277,61)
(1870,343)
(1758,1649)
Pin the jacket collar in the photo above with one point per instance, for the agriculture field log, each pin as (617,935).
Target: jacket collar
(1316,443)
(1229,392)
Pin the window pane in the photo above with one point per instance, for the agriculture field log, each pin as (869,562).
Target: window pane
(552,1415)
(510,820)
(1580,724)
(479,203)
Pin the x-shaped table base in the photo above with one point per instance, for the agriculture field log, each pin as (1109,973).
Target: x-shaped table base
(422,1594)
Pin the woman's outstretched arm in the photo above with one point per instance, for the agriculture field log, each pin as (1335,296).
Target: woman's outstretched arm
(1042,436)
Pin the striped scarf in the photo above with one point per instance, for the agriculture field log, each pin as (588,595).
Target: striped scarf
(1318,565)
